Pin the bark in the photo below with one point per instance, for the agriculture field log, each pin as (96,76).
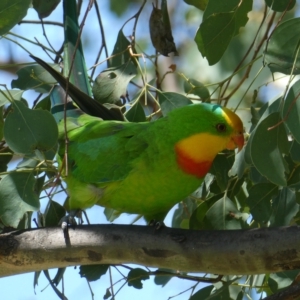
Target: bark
(290,293)
(219,252)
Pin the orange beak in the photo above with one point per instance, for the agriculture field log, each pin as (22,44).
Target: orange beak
(236,141)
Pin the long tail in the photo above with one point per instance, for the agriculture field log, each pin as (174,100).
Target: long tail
(84,102)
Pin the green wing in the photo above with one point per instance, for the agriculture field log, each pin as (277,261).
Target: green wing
(100,152)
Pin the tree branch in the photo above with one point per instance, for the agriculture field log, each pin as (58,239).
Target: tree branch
(219,252)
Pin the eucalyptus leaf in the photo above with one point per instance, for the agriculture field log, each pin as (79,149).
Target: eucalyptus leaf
(136,113)
(162,280)
(192,86)
(291,110)
(169,101)
(93,272)
(285,208)
(120,54)
(239,8)
(73,51)
(214,36)
(17,196)
(220,168)
(204,293)
(281,5)
(259,201)
(34,77)
(11,13)
(45,7)
(266,149)
(282,53)
(111,84)
(200,4)
(54,213)
(7,96)
(26,130)
(224,215)
(135,277)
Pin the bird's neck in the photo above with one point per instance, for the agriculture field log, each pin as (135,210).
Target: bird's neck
(196,153)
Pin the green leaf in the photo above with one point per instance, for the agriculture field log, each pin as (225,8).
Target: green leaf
(119,7)
(214,36)
(240,9)
(294,179)
(11,13)
(111,84)
(197,219)
(1,123)
(135,277)
(73,52)
(40,184)
(278,281)
(26,130)
(266,147)
(107,294)
(17,196)
(111,214)
(220,168)
(259,201)
(161,31)
(5,156)
(53,213)
(182,213)
(59,276)
(33,159)
(93,272)
(203,293)
(200,4)
(163,279)
(295,152)
(192,86)
(285,208)
(44,7)
(281,5)
(240,165)
(235,187)
(44,104)
(34,77)
(7,97)
(291,110)
(169,101)
(221,21)
(36,278)
(282,53)
(224,215)
(120,54)
(136,113)
(25,222)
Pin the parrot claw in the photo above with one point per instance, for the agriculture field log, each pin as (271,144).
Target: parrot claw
(68,220)
(157,224)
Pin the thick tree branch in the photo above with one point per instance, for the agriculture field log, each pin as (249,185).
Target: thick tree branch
(218,252)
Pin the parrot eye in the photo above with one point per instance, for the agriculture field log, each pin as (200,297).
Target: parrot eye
(221,127)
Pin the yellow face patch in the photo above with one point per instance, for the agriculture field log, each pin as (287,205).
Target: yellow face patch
(202,146)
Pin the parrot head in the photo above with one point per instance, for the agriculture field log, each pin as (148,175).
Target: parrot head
(218,129)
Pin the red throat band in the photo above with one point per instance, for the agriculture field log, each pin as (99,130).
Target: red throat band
(189,166)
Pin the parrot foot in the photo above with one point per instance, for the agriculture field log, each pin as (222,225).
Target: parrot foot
(69,220)
(157,224)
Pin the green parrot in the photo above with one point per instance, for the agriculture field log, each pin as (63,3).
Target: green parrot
(143,168)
